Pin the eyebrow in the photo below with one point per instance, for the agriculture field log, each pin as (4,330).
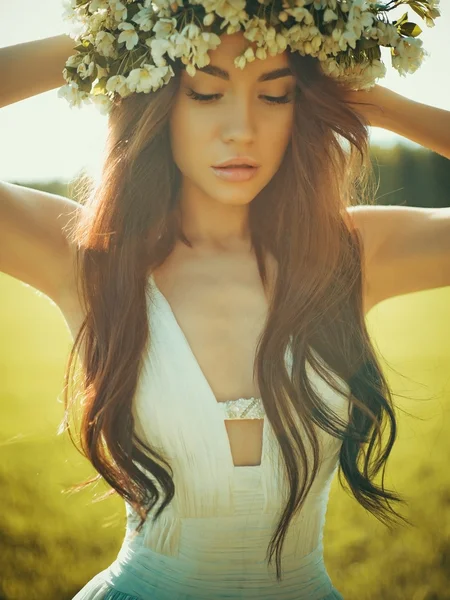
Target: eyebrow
(269,76)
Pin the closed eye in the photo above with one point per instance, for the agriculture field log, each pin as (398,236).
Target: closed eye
(209,97)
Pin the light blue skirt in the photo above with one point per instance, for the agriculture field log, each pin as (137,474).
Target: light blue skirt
(150,576)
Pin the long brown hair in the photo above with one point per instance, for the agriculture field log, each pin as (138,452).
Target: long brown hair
(131,227)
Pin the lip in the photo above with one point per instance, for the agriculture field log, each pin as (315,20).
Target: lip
(236,173)
(238,160)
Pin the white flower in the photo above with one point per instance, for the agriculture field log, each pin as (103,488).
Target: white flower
(164,27)
(162,5)
(281,41)
(72,94)
(95,5)
(119,10)
(144,18)
(104,42)
(336,34)
(301,15)
(191,31)
(128,35)
(179,46)
(158,48)
(367,18)
(249,54)
(329,15)
(386,33)
(261,53)
(191,70)
(348,37)
(74,60)
(240,62)
(97,22)
(102,103)
(209,19)
(86,68)
(359,5)
(408,55)
(232,11)
(146,79)
(118,83)
(330,67)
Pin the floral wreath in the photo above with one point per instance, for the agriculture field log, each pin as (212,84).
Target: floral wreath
(125,46)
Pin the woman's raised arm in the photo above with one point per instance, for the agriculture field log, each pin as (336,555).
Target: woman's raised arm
(35,244)
(33,67)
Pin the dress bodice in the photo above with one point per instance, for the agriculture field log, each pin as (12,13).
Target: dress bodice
(211,541)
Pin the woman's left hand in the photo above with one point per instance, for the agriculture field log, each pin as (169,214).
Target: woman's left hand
(426,125)
(370,104)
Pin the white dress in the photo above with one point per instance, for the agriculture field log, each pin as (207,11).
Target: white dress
(210,542)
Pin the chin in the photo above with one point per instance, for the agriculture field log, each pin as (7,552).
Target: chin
(235,199)
(236,194)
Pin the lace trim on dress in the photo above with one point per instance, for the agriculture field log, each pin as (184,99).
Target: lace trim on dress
(243,408)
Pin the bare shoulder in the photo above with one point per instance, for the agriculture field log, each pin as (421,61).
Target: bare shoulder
(36,239)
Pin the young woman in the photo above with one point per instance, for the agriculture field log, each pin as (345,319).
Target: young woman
(218,311)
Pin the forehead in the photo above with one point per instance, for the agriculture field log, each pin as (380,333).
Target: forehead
(232,46)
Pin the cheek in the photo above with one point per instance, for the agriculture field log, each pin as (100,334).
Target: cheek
(278,132)
(187,137)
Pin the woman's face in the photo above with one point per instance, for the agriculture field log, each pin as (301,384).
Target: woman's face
(239,121)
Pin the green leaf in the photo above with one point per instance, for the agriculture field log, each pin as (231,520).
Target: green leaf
(100,86)
(85,85)
(374,53)
(410,29)
(418,9)
(100,60)
(132,10)
(114,67)
(402,20)
(365,44)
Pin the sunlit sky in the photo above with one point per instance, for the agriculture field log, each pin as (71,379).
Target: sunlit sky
(43,138)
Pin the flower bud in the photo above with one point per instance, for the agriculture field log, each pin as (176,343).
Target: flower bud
(209,19)
(249,54)
(261,53)
(240,62)
(281,41)
(190,70)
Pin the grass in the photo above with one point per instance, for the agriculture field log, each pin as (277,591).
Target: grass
(51,543)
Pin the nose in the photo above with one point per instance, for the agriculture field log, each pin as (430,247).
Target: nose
(239,121)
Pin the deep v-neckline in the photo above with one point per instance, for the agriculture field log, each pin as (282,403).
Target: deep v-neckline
(184,338)
(194,361)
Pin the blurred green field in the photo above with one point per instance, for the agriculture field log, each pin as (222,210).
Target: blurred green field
(51,544)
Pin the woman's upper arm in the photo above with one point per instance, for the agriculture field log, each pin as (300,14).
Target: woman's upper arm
(34,242)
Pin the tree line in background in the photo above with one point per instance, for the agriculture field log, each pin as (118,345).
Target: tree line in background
(404,176)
